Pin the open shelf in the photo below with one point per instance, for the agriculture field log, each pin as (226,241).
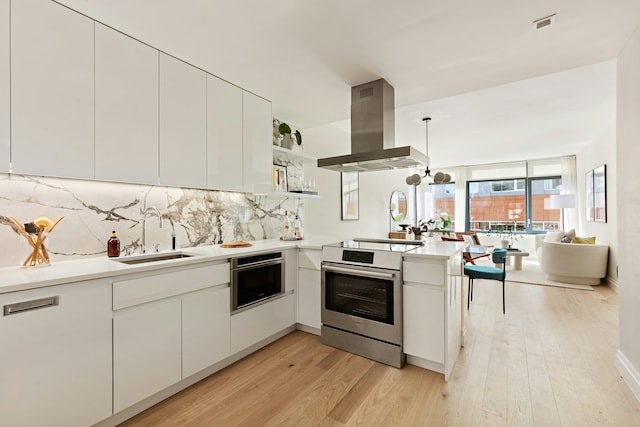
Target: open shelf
(293,155)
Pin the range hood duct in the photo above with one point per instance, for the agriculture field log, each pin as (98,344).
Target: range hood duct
(373,134)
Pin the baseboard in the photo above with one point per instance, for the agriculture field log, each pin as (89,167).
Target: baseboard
(308,329)
(629,373)
(611,282)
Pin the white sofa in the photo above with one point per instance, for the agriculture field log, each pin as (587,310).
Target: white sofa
(583,264)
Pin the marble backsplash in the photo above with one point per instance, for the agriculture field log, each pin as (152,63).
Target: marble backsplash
(93,209)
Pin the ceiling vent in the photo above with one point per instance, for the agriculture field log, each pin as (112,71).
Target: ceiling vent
(544,22)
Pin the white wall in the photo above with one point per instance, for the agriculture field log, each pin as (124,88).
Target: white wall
(601,151)
(628,176)
(323,215)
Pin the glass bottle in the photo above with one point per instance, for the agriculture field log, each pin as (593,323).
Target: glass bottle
(113,245)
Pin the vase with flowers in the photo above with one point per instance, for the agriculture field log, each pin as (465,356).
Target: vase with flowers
(507,232)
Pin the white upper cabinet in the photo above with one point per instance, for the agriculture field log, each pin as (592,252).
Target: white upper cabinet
(257,141)
(224,135)
(52,113)
(183,124)
(5,117)
(126,100)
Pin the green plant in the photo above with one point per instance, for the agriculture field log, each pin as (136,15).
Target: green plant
(298,137)
(438,225)
(284,128)
(508,231)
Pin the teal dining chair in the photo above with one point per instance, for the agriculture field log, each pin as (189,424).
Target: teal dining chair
(499,256)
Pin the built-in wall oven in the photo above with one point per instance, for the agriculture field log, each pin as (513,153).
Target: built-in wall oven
(256,279)
(362,299)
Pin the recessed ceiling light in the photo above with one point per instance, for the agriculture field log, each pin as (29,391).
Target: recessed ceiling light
(544,22)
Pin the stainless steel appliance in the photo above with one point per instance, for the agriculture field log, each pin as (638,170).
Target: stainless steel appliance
(373,134)
(255,279)
(362,298)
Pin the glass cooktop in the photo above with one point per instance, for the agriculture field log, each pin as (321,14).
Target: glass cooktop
(389,245)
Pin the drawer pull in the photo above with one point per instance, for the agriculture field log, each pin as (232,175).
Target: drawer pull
(35,304)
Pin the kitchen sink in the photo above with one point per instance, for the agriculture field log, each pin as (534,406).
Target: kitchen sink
(143,259)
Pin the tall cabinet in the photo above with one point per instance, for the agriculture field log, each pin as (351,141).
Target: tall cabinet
(257,142)
(126,99)
(52,112)
(183,124)
(224,135)
(5,117)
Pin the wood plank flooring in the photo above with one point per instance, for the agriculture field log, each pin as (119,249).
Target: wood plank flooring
(550,361)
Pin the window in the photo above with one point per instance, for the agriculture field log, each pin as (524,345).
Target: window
(544,219)
(519,201)
(444,200)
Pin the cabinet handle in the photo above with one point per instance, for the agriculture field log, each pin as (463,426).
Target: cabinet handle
(35,304)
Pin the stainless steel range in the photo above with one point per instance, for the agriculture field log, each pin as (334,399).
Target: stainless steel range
(362,297)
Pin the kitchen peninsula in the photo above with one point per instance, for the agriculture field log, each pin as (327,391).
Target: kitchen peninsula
(101,313)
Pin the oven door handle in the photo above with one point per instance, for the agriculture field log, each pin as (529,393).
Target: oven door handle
(352,271)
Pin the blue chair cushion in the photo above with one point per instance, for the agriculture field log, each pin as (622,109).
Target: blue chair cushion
(483,272)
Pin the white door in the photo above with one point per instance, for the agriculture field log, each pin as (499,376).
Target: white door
(147,355)
(52,102)
(55,364)
(5,135)
(183,124)
(257,128)
(205,329)
(424,322)
(224,135)
(126,108)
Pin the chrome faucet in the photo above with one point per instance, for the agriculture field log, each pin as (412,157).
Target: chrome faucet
(144,226)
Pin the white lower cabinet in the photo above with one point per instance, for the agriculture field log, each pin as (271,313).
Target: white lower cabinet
(309,298)
(309,288)
(423,321)
(146,351)
(55,361)
(166,327)
(255,324)
(205,329)
(432,312)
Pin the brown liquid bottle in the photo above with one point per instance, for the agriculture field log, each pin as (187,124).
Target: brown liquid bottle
(113,245)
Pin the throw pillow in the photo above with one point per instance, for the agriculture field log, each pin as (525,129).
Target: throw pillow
(584,240)
(554,236)
(566,239)
(571,234)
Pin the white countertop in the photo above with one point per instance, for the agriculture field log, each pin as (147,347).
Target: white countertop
(435,249)
(14,279)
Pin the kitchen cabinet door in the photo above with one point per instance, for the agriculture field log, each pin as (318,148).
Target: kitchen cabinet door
(258,323)
(52,102)
(424,322)
(205,329)
(147,354)
(224,135)
(56,359)
(126,108)
(5,117)
(183,124)
(257,139)
(309,297)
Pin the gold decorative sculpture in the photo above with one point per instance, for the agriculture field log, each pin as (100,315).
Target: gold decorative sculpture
(35,233)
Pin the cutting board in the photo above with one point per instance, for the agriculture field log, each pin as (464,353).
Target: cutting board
(236,244)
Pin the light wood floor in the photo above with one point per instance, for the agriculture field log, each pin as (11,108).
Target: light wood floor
(548,362)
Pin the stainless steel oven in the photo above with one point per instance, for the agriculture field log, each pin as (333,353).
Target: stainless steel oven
(362,299)
(256,279)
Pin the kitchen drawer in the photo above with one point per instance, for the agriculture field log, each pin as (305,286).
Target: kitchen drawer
(429,273)
(155,286)
(309,258)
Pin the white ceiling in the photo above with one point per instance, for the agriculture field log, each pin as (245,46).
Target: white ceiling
(473,66)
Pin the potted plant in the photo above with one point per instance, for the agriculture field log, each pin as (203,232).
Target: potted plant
(285,131)
(439,225)
(507,232)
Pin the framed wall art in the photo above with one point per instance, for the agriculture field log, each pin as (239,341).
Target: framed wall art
(596,194)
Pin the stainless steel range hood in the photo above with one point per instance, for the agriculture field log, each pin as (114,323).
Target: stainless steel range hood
(373,134)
